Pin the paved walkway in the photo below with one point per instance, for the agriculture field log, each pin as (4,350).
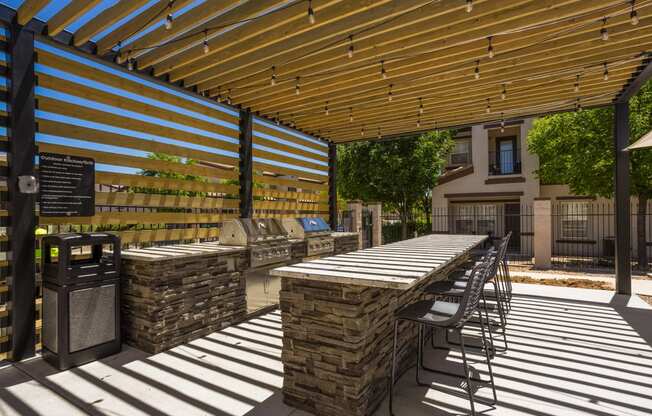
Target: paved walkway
(572,352)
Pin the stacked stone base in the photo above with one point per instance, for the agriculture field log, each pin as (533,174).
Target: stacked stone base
(337,343)
(346,243)
(169,302)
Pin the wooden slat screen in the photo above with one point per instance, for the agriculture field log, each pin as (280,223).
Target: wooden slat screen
(166,161)
(5,323)
(290,173)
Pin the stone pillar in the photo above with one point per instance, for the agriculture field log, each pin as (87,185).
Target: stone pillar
(356,219)
(376,209)
(542,233)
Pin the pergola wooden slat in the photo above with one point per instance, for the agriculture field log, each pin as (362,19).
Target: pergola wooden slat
(428,50)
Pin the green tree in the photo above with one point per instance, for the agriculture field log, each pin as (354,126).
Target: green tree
(170,174)
(577,149)
(400,173)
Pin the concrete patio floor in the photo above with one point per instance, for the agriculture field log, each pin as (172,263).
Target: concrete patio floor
(572,352)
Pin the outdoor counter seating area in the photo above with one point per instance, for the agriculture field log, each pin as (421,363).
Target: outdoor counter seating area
(338,315)
(314,207)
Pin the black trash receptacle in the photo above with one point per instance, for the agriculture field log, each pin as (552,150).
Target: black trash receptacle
(81,298)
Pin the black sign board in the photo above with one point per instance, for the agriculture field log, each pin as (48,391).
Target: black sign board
(67,185)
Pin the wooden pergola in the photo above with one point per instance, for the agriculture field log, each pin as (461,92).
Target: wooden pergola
(344,70)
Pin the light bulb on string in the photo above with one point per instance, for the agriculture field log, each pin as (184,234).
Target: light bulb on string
(379,135)
(228,97)
(350,114)
(272,80)
(383,73)
(605,74)
(576,88)
(420,106)
(633,15)
(350,51)
(326,109)
(278,119)
(488,105)
(130,63)
(219,94)
(604,33)
(297,88)
(168,21)
(311,13)
(418,122)
(389,94)
(469,6)
(502,123)
(362,132)
(503,94)
(578,105)
(490,49)
(477,69)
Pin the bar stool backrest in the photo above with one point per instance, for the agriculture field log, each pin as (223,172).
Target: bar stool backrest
(475,286)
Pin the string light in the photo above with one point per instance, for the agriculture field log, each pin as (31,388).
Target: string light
(228,97)
(503,94)
(311,13)
(362,132)
(469,6)
(297,88)
(130,64)
(418,121)
(502,123)
(477,69)
(389,94)
(169,18)
(605,74)
(379,135)
(604,33)
(326,109)
(219,93)
(420,106)
(206,47)
(272,80)
(383,73)
(577,83)
(488,105)
(278,119)
(634,14)
(350,52)
(578,105)
(490,50)
(350,114)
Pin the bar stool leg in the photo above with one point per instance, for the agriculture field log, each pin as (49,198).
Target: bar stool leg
(469,388)
(420,340)
(486,352)
(392,378)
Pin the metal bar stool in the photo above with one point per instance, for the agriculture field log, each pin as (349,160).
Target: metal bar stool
(456,286)
(449,317)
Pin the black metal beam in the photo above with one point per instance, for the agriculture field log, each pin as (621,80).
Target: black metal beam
(246,164)
(332,184)
(22,218)
(643,74)
(622,200)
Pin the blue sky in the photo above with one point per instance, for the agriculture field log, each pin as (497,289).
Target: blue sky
(45,92)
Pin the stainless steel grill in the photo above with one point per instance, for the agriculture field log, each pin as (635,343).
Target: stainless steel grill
(266,239)
(315,231)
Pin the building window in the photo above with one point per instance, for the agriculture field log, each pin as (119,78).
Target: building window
(575,220)
(464,219)
(486,215)
(475,219)
(461,154)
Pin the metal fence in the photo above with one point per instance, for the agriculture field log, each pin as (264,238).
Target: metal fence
(583,235)
(418,223)
(495,220)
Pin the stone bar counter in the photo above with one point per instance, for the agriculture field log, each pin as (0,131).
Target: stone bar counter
(337,317)
(174,294)
(345,242)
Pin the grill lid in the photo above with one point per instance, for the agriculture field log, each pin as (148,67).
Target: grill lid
(311,225)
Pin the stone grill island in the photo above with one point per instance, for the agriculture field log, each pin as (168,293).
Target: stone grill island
(337,317)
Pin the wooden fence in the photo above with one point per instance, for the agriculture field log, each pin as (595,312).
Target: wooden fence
(166,161)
